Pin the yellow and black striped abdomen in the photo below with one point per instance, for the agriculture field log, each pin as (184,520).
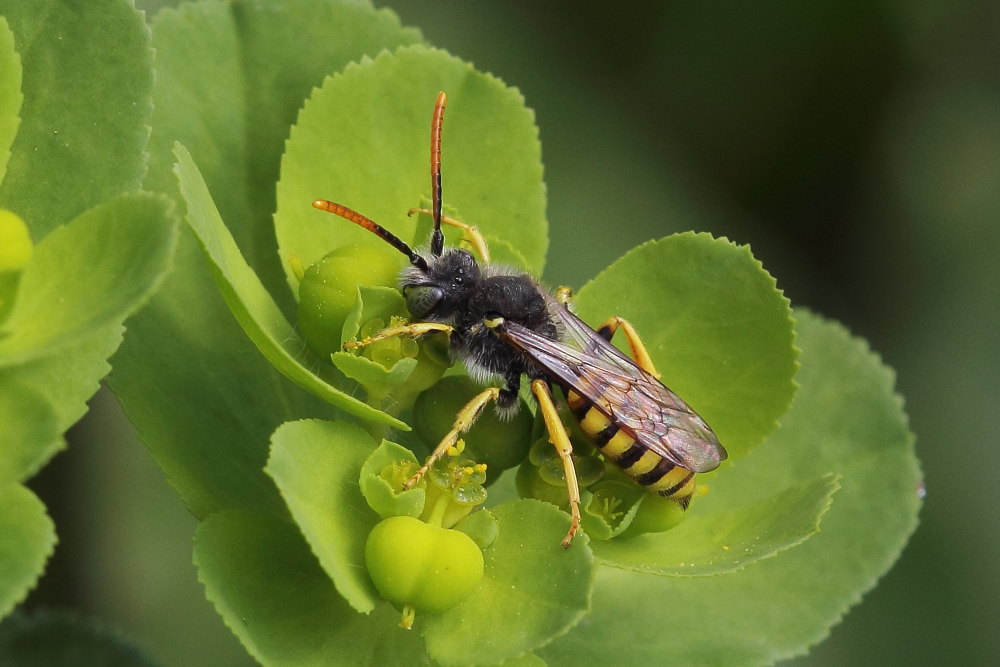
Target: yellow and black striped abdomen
(637,461)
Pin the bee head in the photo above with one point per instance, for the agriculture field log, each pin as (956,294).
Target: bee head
(440,288)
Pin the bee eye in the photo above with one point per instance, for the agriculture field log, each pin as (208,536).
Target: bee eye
(422,299)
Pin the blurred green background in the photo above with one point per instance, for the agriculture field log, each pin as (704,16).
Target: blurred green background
(854,145)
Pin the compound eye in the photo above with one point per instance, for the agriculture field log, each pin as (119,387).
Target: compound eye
(422,299)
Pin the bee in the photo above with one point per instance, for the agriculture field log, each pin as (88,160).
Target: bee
(503,325)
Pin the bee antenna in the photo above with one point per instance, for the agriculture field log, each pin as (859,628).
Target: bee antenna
(375,228)
(437,237)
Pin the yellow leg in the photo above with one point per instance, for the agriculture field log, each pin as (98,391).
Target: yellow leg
(639,352)
(559,438)
(413,329)
(471,234)
(563,294)
(466,417)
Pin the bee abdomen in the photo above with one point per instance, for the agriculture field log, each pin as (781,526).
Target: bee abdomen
(639,462)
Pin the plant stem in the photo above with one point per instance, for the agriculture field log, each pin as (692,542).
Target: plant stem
(437,515)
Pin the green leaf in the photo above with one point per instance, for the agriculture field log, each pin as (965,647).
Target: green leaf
(532,590)
(274,596)
(372,375)
(69,378)
(205,400)
(316,465)
(228,85)
(729,539)
(56,308)
(230,79)
(362,139)
(31,433)
(504,253)
(718,329)
(86,106)
(481,526)
(55,638)
(844,419)
(58,339)
(87,80)
(63,329)
(10,94)
(27,538)
(250,302)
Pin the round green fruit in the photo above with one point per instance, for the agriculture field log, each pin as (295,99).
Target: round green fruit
(328,291)
(427,567)
(656,515)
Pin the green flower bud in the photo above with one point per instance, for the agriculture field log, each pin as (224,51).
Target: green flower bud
(387,352)
(328,291)
(454,489)
(382,477)
(610,508)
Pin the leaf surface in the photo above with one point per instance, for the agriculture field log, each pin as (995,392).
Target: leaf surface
(363,140)
(251,304)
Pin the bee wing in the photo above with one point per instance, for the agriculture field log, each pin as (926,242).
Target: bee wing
(627,394)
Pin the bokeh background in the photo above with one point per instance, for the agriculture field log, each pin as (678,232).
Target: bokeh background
(855,145)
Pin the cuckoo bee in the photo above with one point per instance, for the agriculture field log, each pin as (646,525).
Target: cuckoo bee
(502,324)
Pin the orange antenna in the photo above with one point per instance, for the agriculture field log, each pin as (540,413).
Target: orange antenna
(437,237)
(375,228)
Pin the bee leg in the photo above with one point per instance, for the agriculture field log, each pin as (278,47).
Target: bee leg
(507,404)
(413,329)
(639,352)
(466,417)
(559,438)
(470,233)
